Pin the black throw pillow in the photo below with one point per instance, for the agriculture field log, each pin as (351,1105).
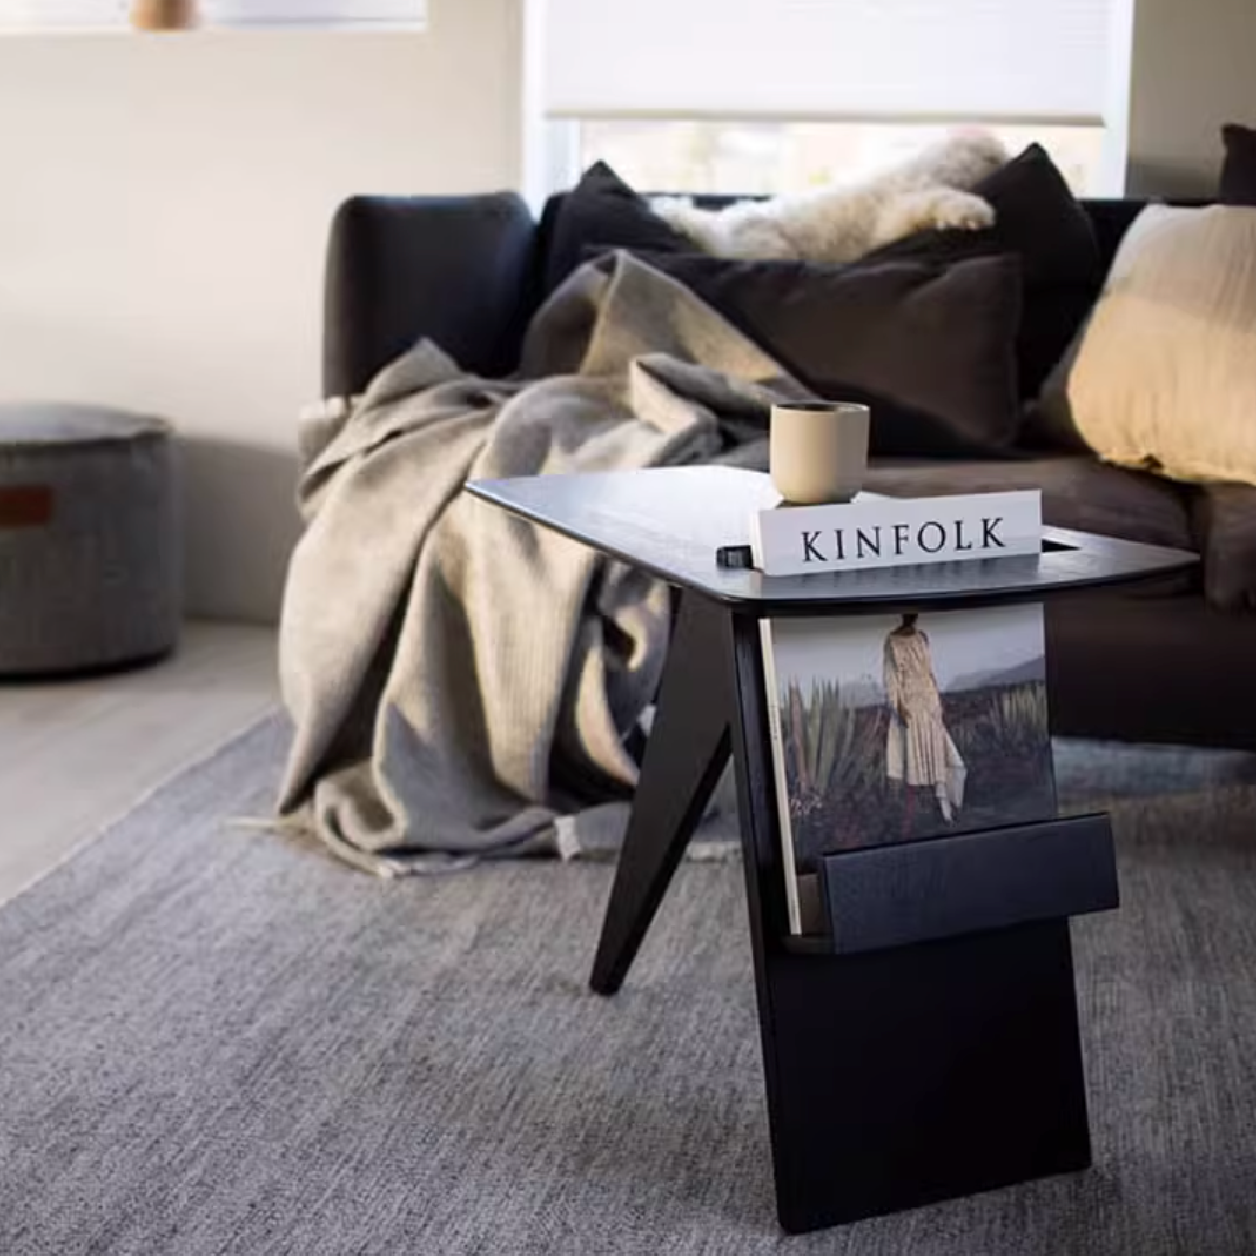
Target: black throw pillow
(930,347)
(1037,217)
(1238,173)
(601,212)
(1040,221)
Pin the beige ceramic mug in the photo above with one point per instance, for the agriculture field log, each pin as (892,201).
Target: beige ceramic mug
(818,451)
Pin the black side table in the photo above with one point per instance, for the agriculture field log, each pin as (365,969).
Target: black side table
(943,1063)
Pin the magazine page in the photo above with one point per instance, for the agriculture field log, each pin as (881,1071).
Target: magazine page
(894,728)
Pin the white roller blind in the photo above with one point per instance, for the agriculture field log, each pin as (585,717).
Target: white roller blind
(989,59)
(17,15)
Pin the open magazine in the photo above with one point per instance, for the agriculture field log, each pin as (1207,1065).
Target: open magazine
(892,728)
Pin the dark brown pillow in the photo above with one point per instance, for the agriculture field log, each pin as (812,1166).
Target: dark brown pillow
(601,212)
(931,347)
(1041,222)
(1238,173)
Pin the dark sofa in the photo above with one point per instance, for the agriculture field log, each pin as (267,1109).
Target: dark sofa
(1156,664)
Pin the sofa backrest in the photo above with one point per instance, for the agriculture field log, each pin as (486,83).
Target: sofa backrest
(457,269)
(467,272)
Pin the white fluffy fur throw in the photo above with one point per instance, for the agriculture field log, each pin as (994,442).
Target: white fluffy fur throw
(843,222)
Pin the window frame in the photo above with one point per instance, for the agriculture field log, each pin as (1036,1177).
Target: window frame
(552,152)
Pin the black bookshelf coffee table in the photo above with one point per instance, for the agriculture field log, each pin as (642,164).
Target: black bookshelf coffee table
(928,1049)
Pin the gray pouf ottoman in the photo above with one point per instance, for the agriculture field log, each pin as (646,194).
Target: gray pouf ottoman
(89,539)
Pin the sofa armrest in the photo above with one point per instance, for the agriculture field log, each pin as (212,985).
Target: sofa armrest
(459,270)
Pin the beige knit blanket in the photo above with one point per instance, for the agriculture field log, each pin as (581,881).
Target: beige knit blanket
(461,680)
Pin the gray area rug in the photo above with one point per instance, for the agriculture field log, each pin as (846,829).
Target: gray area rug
(215,1041)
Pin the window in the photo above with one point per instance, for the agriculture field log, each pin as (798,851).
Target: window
(756,158)
(52,15)
(763,96)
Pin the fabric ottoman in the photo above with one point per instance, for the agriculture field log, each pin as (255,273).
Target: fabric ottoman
(89,539)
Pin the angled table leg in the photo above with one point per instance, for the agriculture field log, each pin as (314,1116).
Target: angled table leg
(906,1075)
(688,748)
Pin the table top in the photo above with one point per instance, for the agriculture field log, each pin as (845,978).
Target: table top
(670,521)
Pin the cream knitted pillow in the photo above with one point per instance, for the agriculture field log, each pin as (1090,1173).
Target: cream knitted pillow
(1163,374)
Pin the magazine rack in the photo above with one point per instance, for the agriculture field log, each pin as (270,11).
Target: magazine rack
(926,1045)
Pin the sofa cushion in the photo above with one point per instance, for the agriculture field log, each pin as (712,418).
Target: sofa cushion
(931,348)
(1039,221)
(1146,668)
(1077,492)
(1164,374)
(1224,518)
(601,212)
(1238,172)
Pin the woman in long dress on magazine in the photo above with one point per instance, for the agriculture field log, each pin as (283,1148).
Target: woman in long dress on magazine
(920,751)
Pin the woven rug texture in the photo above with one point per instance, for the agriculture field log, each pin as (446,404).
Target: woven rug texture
(219,1041)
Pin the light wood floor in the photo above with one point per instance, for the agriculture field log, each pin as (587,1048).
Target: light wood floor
(78,754)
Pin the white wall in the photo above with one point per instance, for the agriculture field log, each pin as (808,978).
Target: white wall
(164,203)
(1192,71)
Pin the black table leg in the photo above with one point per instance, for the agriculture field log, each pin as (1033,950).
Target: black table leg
(688,748)
(895,1077)
(901,1076)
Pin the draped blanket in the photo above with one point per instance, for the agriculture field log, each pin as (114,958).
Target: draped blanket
(460,679)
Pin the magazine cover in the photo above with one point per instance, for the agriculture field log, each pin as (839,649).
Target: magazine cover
(894,728)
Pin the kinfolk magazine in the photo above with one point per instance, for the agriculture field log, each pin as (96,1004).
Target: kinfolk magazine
(892,728)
